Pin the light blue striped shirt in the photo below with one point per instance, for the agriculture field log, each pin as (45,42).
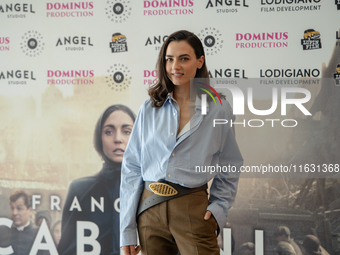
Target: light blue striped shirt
(155,153)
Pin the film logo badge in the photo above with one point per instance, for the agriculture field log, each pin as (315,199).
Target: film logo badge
(311,40)
(119,43)
(118,77)
(211,39)
(337,75)
(32,43)
(337,2)
(118,11)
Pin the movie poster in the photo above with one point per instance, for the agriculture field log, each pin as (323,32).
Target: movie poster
(64,63)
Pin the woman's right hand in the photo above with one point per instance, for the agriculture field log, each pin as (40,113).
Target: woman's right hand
(131,250)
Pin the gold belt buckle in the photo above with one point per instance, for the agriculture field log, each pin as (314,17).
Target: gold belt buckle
(163,189)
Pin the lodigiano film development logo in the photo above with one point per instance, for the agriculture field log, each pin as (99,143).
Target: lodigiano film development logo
(311,40)
(337,2)
(205,88)
(119,43)
(32,43)
(118,78)
(211,39)
(337,75)
(118,11)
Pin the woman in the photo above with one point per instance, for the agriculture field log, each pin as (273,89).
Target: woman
(56,232)
(111,135)
(165,146)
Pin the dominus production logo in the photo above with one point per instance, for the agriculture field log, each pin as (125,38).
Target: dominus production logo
(211,39)
(337,2)
(118,77)
(32,43)
(311,40)
(4,43)
(118,11)
(118,43)
(337,75)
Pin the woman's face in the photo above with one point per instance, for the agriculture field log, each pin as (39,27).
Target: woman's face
(181,62)
(115,135)
(57,233)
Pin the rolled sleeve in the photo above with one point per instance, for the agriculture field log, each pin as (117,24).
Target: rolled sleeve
(224,186)
(131,184)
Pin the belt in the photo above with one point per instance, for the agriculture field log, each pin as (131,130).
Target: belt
(164,191)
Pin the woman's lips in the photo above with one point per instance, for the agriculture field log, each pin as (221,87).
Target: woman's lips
(119,152)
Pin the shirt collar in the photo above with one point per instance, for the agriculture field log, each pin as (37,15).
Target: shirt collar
(22,227)
(198,102)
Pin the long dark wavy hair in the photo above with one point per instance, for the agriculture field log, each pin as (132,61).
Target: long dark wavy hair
(164,85)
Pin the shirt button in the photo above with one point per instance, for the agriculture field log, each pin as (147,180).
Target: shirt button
(172,133)
(173,154)
(174,114)
(169,175)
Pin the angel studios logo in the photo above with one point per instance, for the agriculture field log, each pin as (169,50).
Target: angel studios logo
(156,41)
(211,39)
(17,10)
(118,77)
(118,11)
(226,7)
(311,40)
(32,43)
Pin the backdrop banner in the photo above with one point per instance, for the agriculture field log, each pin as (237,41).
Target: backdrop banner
(64,63)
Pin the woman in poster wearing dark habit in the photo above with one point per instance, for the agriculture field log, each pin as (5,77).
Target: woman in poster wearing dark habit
(159,178)
(111,136)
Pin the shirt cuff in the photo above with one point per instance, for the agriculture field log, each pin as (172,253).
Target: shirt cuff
(219,215)
(128,237)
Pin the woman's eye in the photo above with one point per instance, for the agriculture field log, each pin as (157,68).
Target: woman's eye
(168,59)
(108,132)
(127,132)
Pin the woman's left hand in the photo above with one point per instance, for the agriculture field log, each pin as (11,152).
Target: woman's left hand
(208,215)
